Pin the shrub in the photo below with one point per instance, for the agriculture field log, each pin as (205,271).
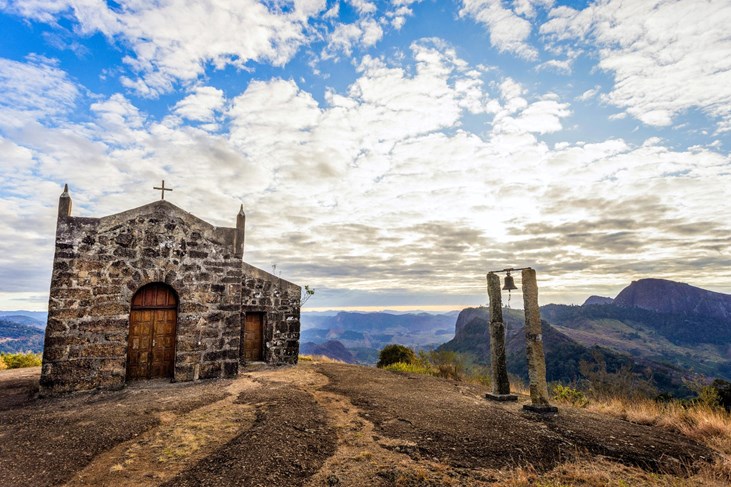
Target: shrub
(448,365)
(723,390)
(415,368)
(3,365)
(569,395)
(708,397)
(20,360)
(392,354)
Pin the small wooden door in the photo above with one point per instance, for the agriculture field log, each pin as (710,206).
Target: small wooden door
(253,337)
(152,325)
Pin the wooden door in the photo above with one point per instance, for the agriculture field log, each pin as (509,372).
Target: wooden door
(152,325)
(253,337)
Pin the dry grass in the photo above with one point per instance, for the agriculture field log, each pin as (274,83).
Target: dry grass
(319,359)
(595,472)
(708,425)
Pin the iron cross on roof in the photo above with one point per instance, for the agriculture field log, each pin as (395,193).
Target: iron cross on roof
(162,190)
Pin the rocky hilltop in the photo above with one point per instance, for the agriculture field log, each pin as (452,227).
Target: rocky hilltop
(600,300)
(467,315)
(673,297)
(323,424)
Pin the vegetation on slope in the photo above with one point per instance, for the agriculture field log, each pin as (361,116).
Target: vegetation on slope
(19,360)
(681,329)
(16,336)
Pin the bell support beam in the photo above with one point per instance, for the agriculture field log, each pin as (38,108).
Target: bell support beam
(498,365)
(534,346)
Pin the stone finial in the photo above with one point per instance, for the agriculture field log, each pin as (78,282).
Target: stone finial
(64,202)
(498,362)
(240,232)
(534,346)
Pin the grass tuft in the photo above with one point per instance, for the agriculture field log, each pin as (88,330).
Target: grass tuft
(321,359)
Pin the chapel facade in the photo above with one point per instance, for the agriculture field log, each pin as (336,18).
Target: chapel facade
(155,292)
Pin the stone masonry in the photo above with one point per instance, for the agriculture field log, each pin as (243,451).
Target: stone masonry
(99,265)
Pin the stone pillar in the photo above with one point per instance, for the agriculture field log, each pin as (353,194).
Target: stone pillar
(240,233)
(534,346)
(499,368)
(64,203)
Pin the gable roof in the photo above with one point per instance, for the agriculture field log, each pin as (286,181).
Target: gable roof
(164,207)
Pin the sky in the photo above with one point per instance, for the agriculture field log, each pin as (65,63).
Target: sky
(388,154)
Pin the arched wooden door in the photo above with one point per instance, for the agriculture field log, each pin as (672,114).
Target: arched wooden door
(152,325)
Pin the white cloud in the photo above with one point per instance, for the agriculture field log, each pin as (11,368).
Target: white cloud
(509,32)
(201,105)
(559,65)
(400,12)
(363,33)
(383,185)
(667,56)
(211,31)
(527,8)
(363,6)
(589,94)
(37,86)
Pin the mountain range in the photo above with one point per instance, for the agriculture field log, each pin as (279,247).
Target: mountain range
(364,334)
(669,330)
(665,330)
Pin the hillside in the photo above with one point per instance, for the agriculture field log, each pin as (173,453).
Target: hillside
(690,343)
(659,322)
(322,424)
(20,334)
(675,298)
(37,317)
(563,354)
(598,300)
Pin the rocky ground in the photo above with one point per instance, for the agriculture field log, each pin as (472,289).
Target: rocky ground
(314,424)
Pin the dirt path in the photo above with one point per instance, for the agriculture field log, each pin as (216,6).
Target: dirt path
(288,442)
(313,425)
(163,452)
(363,457)
(47,441)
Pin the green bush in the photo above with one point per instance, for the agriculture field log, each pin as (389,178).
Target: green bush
(569,395)
(20,360)
(415,368)
(392,354)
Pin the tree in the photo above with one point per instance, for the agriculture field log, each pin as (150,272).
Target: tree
(307,293)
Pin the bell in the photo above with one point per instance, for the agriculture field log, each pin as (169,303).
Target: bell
(509,283)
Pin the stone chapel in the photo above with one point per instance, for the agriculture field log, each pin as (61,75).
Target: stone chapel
(155,292)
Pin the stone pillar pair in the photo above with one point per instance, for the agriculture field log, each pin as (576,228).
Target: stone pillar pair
(533,339)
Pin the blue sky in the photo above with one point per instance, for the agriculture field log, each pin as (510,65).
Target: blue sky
(387,154)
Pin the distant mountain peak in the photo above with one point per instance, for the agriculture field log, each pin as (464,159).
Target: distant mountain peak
(593,300)
(666,296)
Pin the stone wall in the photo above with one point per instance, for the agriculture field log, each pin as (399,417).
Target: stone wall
(101,262)
(263,292)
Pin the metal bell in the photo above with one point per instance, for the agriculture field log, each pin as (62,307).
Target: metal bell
(509,283)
